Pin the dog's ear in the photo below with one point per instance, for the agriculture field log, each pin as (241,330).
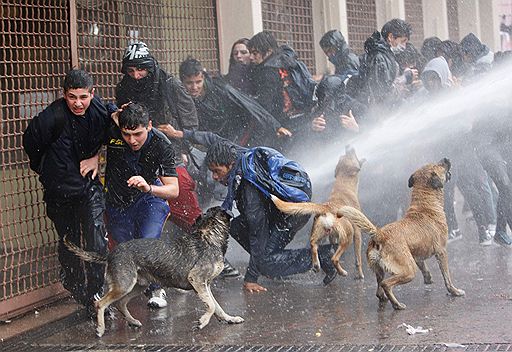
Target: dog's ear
(434,181)
(411,181)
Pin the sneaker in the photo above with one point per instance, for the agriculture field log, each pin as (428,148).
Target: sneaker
(485,238)
(492,229)
(229,270)
(503,239)
(454,235)
(158,299)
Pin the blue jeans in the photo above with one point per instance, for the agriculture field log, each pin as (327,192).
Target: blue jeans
(143,219)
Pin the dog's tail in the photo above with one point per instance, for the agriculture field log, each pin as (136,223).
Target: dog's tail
(87,256)
(305,208)
(358,219)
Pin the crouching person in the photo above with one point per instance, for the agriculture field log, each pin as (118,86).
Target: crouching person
(261,229)
(140,178)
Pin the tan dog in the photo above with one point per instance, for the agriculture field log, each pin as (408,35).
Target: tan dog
(327,223)
(402,246)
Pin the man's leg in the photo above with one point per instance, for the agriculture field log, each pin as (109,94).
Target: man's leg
(94,234)
(66,219)
(280,262)
(151,213)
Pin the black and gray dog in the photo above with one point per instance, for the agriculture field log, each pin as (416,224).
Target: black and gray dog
(189,262)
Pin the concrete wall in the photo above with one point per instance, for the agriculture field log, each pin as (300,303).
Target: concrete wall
(236,19)
(435,19)
(389,9)
(327,15)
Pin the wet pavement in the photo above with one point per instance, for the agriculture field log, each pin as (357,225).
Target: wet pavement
(300,314)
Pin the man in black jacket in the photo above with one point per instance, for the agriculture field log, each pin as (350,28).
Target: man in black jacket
(261,229)
(336,49)
(226,111)
(282,83)
(380,81)
(62,143)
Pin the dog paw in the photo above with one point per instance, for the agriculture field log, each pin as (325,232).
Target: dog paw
(457,292)
(358,277)
(342,272)
(100,332)
(316,268)
(235,320)
(399,306)
(428,281)
(135,323)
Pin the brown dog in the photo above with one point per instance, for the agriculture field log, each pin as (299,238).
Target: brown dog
(326,223)
(402,246)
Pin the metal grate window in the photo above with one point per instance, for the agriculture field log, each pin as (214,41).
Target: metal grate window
(452,10)
(291,22)
(362,22)
(172,32)
(34,56)
(414,16)
(41,40)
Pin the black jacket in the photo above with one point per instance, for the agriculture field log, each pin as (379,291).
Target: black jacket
(344,61)
(378,70)
(164,96)
(56,140)
(232,114)
(154,159)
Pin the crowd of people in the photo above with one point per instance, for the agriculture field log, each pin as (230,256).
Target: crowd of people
(171,144)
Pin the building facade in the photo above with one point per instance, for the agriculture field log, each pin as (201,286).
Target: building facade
(42,39)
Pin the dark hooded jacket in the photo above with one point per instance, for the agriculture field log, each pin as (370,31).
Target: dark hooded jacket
(164,96)
(480,56)
(378,70)
(232,114)
(346,63)
(269,79)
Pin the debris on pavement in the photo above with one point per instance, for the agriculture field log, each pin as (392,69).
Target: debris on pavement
(414,330)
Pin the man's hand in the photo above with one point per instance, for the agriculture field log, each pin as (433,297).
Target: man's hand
(170,131)
(254,287)
(138,182)
(318,124)
(283,132)
(349,122)
(88,165)
(115,115)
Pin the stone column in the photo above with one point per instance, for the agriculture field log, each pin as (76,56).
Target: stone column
(236,19)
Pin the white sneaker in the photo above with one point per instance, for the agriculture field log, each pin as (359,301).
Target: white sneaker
(158,299)
(492,229)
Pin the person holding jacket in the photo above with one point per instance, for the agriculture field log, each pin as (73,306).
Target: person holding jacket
(261,229)
(63,142)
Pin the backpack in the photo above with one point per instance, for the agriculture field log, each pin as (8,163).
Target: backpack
(272,173)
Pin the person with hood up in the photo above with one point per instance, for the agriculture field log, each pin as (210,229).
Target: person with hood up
(478,55)
(335,47)
(468,173)
(145,82)
(379,71)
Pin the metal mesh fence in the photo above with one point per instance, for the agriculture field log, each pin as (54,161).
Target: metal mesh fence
(414,16)
(291,22)
(362,22)
(40,41)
